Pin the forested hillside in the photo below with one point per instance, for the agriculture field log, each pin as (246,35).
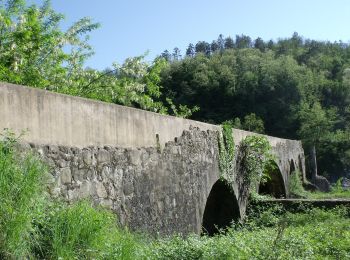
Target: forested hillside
(291,88)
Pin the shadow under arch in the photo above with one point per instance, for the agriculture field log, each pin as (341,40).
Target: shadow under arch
(274,185)
(292,167)
(221,208)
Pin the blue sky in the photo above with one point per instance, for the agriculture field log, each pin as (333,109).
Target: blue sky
(130,27)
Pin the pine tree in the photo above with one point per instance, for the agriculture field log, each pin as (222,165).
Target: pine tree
(166,55)
(229,43)
(221,42)
(176,54)
(203,47)
(259,44)
(243,41)
(190,52)
(214,46)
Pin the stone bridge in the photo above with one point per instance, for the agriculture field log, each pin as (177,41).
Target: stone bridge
(159,174)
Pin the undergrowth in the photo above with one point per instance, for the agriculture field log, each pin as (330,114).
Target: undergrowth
(296,189)
(21,179)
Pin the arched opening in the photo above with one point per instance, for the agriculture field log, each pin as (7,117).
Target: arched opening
(274,184)
(221,208)
(291,167)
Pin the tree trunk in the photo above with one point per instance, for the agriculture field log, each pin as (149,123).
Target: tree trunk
(313,162)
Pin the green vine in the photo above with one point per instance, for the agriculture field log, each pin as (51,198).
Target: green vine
(226,153)
(256,160)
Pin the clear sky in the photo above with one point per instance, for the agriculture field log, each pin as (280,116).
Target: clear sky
(131,27)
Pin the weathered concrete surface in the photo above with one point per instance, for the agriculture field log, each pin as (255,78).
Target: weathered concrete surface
(72,121)
(110,154)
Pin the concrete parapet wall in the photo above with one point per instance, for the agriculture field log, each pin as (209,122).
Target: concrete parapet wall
(66,120)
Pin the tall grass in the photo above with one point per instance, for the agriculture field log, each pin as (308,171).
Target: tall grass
(20,196)
(80,231)
(314,234)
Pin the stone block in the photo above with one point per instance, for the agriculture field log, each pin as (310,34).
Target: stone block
(65,175)
(128,188)
(100,190)
(135,157)
(103,156)
(85,189)
(88,157)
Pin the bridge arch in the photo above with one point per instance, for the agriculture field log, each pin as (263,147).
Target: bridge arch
(221,208)
(274,185)
(292,167)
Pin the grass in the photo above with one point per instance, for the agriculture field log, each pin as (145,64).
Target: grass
(80,231)
(35,227)
(297,189)
(20,200)
(316,234)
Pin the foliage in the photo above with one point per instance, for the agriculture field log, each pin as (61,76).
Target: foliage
(299,88)
(256,159)
(21,188)
(296,185)
(335,193)
(226,153)
(316,122)
(250,122)
(253,123)
(288,236)
(296,188)
(182,111)
(34,51)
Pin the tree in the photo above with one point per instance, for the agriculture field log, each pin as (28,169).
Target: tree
(229,43)
(284,82)
(221,42)
(34,50)
(176,54)
(166,55)
(270,44)
(259,44)
(190,52)
(316,124)
(243,41)
(214,46)
(253,123)
(203,47)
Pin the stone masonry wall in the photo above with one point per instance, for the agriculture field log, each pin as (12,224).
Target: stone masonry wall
(150,190)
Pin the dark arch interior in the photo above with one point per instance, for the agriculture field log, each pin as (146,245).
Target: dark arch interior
(221,208)
(292,167)
(274,186)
